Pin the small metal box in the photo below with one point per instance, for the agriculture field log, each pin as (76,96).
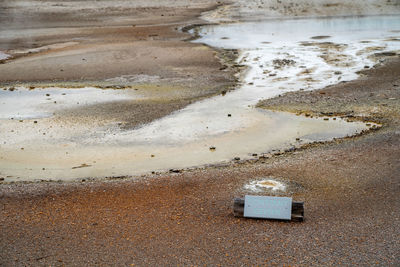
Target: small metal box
(268,207)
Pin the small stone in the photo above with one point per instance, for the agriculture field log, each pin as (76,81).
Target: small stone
(34,121)
(213,148)
(229,115)
(236,158)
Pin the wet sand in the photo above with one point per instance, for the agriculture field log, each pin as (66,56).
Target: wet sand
(350,188)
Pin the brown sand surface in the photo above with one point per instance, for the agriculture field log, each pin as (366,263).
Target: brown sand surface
(350,188)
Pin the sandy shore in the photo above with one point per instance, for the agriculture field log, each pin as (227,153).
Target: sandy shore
(350,187)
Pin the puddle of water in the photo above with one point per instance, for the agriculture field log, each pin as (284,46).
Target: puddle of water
(23,103)
(62,149)
(315,62)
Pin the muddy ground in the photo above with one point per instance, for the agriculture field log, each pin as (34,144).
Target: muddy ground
(350,188)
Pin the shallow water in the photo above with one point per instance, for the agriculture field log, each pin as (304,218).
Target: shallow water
(60,153)
(289,55)
(279,60)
